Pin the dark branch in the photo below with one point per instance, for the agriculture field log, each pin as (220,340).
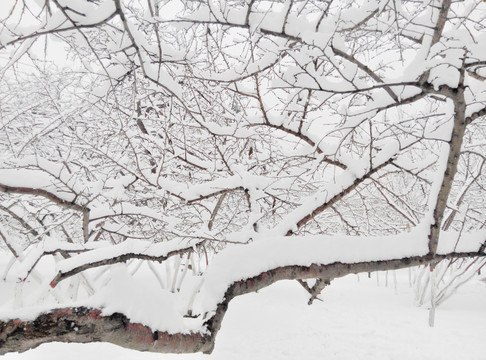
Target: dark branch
(84,325)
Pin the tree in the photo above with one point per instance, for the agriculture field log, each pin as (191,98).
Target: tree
(281,140)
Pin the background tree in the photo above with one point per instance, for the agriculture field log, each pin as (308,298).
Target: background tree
(283,140)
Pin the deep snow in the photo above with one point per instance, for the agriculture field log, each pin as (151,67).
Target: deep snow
(356,320)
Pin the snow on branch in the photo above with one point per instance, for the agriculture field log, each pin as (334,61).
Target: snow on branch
(45,194)
(267,254)
(129,249)
(81,324)
(244,141)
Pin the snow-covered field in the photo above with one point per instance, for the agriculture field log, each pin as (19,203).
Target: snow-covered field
(356,320)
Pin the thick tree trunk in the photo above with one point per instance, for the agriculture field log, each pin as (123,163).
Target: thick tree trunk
(83,325)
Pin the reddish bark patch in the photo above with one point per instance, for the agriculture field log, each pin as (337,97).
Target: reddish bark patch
(140,333)
(62,312)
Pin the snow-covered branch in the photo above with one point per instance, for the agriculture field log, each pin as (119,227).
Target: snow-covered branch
(179,154)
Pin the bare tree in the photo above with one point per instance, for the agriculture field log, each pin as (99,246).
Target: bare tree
(250,141)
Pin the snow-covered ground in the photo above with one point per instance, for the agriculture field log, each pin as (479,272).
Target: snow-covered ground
(356,320)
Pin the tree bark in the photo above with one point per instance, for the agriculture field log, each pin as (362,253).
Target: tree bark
(83,325)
